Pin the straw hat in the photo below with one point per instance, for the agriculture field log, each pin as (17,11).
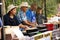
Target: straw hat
(24,4)
(10,7)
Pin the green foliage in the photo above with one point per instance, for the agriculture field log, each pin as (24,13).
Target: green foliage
(8,2)
(58,1)
(51,5)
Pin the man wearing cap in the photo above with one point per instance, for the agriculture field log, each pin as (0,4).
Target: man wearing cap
(22,14)
(10,19)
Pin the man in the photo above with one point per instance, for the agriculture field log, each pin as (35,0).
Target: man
(10,19)
(31,13)
(22,14)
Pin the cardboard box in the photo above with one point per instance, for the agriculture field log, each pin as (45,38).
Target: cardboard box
(38,36)
(47,35)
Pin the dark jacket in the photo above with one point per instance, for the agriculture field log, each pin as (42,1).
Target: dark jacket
(40,18)
(9,21)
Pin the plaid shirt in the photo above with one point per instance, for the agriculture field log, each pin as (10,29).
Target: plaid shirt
(21,16)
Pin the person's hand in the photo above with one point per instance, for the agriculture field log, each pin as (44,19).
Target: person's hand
(33,25)
(36,24)
(26,27)
(23,26)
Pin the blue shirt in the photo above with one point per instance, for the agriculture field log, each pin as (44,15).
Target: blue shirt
(1,22)
(31,15)
(21,16)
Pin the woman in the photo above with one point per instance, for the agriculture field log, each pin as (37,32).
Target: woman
(39,16)
(10,19)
